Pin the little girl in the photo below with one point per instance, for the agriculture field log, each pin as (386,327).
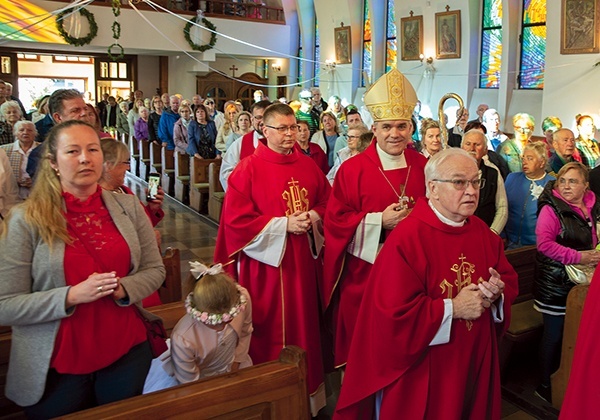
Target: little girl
(213,337)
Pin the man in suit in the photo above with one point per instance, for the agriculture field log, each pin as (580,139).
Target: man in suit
(112,108)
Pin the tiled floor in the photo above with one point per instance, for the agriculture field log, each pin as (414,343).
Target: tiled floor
(195,235)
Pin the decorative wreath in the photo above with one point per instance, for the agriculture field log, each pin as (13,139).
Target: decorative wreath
(77,41)
(213,36)
(119,55)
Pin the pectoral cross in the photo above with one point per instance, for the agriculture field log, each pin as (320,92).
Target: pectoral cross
(233,69)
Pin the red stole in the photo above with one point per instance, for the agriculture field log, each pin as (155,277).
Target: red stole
(423,262)
(247,145)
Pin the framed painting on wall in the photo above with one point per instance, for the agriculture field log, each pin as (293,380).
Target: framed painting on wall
(343,45)
(412,37)
(579,26)
(447,34)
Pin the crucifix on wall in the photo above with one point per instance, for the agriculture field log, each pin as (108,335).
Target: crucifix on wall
(233,69)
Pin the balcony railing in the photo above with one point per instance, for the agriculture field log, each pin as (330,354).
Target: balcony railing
(228,9)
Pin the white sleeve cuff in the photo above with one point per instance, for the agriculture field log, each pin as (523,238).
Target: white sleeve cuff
(365,243)
(443,334)
(269,246)
(497,309)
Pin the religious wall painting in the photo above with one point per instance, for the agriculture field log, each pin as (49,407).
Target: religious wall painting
(412,37)
(580,24)
(447,34)
(343,45)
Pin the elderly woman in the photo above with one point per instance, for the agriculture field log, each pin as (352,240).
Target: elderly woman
(141,126)
(309,149)
(586,143)
(566,234)
(122,123)
(18,154)
(431,137)
(327,137)
(180,130)
(202,133)
(356,145)
(134,114)
(522,191)
(80,260)
(11,112)
(227,131)
(511,150)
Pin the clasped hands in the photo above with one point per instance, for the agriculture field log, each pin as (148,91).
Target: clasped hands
(96,286)
(474,299)
(393,214)
(299,222)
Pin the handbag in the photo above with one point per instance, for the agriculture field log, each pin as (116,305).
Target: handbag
(580,273)
(155,330)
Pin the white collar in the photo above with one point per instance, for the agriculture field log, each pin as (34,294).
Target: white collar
(444,219)
(389,162)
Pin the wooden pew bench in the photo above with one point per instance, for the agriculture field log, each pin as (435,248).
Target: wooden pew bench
(144,159)
(134,156)
(526,323)
(273,390)
(167,160)
(155,157)
(199,187)
(560,378)
(182,177)
(215,192)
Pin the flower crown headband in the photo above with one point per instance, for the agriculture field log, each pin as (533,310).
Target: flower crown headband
(199,270)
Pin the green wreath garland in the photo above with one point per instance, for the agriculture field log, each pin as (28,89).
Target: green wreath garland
(77,41)
(213,36)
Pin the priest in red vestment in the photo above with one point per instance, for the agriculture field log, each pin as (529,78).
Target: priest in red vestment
(271,227)
(425,344)
(372,192)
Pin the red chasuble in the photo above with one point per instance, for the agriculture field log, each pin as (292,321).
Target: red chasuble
(583,389)
(423,262)
(285,307)
(360,187)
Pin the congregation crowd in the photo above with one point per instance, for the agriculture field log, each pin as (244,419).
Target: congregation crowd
(354,233)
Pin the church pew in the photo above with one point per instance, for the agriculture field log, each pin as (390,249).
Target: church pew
(170,291)
(199,183)
(560,378)
(526,323)
(134,156)
(144,159)
(182,177)
(167,161)
(273,390)
(215,192)
(155,157)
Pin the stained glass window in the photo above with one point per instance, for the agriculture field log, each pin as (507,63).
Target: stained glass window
(533,45)
(367,46)
(300,56)
(491,44)
(391,45)
(317,54)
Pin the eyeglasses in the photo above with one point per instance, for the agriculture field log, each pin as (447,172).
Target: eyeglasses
(461,184)
(570,181)
(353,137)
(284,129)
(524,130)
(209,103)
(126,162)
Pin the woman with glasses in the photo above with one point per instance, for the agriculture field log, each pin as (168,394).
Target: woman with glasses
(202,133)
(586,143)
(357,143)
(512,149)
(566,234)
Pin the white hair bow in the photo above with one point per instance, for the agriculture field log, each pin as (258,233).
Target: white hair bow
(198,269)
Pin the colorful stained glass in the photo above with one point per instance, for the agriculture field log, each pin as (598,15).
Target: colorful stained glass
(317,58)
(491,45)
(391,44)
(533,45)
(367,46)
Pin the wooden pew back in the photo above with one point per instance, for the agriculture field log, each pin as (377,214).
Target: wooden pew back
(168,171)
(560,378)
(523,261)
(170,291)
(155,157)
(199,183)
(273,390)
(182,177)
(215,192)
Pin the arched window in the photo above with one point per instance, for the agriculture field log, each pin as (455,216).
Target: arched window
(367,46)
(491,44)
(533,45)
(390,44)
(317,54)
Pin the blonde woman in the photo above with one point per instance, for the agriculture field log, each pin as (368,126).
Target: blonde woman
(227,131)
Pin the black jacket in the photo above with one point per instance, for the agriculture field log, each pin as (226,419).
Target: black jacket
(552,284)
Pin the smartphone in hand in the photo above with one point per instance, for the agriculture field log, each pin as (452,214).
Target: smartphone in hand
(153,183)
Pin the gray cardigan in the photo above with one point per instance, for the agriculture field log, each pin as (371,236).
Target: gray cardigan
(33,289)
